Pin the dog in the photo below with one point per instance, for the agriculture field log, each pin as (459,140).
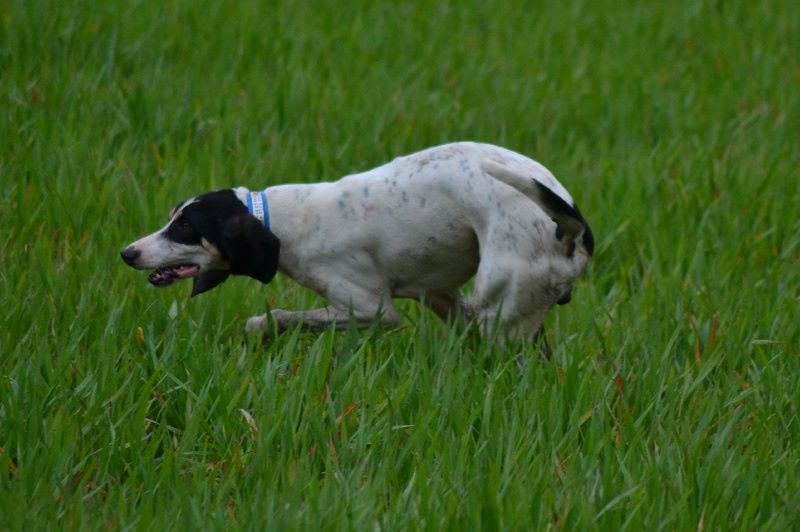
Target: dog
(418,227)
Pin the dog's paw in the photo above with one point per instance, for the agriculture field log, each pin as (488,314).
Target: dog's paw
(257,324)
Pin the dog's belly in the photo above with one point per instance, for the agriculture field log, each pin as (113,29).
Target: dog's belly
(435,267)
(423,249)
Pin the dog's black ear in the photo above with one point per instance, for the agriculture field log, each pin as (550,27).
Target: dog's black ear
(251,248)
(208,280)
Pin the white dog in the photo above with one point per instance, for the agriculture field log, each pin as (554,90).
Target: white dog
(418,227)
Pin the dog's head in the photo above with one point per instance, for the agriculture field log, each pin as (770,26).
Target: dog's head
(207,238)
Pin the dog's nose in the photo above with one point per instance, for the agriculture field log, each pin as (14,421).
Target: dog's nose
(130,254)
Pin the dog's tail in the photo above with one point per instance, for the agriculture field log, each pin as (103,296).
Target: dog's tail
(568,218)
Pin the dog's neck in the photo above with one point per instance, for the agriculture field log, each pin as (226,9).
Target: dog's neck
(288,217)
(257,204)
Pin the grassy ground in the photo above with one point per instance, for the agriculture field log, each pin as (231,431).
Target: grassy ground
(672,400)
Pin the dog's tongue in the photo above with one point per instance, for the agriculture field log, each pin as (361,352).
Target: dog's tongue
(170,274)
(185,270)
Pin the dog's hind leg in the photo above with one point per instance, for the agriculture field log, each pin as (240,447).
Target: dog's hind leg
(447,305)
(510,302)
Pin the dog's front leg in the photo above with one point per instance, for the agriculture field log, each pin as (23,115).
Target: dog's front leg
(330,316)
(322,318)
(360,302)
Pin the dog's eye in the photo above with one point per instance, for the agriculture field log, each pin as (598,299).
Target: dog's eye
(185,226)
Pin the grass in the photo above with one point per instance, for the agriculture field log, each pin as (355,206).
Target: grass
(672,399)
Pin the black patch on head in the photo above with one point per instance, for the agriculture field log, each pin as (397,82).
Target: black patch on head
(185,229)
(219,217)
(176,208)
(205,218)
(588,238)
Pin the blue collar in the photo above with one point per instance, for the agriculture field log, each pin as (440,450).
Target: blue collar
(258,206)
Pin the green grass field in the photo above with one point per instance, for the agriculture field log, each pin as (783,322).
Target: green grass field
(673,396)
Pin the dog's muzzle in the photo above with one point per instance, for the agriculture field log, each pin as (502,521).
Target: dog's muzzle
(163,276)
(129,255)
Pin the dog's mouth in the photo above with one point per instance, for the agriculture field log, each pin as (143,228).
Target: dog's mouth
(167,275)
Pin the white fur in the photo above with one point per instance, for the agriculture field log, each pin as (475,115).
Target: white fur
(419,227)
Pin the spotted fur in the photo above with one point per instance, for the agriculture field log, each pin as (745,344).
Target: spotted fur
(417,227)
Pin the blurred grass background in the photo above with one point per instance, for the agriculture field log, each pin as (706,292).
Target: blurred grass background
(672,398)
